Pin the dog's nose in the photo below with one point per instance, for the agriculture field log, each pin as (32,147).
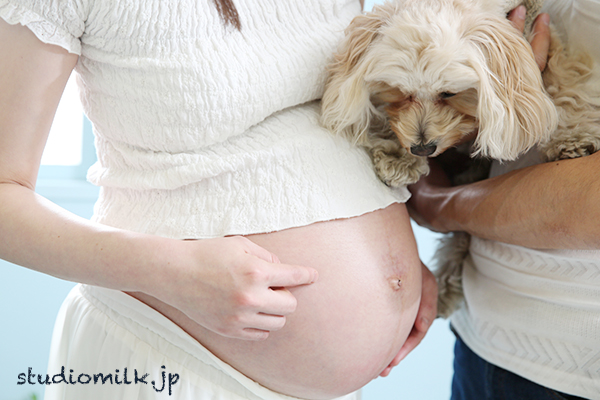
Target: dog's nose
(423,150)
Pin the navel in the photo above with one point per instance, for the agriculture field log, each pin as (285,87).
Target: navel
(395,283)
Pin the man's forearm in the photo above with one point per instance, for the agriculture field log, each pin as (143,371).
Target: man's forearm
(553,205)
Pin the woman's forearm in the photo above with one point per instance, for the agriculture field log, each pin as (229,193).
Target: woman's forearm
(223,284)
(39,235)
(553,205)
(34,232)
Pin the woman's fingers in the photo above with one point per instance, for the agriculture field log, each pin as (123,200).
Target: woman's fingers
(540,35)
(275,302)
(272,318)
(540,42)
(262,324)
(266,301)
(256,250)
(281,275)
(252,334)
(425,316)
(517,17)
(285,275)
(236,288)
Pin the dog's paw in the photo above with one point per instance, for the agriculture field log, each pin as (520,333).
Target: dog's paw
(571,147)
(399,168)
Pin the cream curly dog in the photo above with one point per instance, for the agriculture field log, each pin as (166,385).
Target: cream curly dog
(413,78)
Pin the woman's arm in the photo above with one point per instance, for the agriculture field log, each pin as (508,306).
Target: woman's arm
(223,284)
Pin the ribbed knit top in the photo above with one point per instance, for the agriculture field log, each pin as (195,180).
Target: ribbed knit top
(534,312)
(202,130)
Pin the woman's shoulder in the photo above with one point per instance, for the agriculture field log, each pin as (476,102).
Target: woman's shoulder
(59,22)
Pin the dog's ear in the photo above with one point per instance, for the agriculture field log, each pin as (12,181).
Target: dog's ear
(514,111)
(346,106)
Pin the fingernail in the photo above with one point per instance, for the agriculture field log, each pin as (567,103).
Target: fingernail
(425,321)
(402,357)
(545,18)
(315,276)
(520,12)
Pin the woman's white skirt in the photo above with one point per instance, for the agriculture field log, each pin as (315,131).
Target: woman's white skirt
(108,345)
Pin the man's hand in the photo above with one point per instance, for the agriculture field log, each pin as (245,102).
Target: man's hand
(429,195)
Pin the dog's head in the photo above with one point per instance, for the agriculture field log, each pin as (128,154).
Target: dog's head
(439,71)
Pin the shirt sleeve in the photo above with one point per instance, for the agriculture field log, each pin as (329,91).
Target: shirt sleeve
(578,22)
(58,22)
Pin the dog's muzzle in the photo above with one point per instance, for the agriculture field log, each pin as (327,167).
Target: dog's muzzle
(423,150)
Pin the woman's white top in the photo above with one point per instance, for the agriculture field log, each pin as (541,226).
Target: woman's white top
(201,130)
(537,313)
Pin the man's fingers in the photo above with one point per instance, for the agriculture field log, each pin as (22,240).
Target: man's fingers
(393,363)
(540,42)
(417,334)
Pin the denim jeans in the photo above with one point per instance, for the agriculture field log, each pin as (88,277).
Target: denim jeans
(476,379)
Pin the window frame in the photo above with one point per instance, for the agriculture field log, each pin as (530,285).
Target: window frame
(60,183)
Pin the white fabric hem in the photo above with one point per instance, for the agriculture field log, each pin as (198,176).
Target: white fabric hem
(186,227)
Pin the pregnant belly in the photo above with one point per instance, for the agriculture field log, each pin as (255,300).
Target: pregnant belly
(348,325)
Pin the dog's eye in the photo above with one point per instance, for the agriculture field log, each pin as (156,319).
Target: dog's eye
(447,95)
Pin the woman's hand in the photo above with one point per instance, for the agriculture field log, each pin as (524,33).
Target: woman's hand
(540,40)
(232,286)
(425,316)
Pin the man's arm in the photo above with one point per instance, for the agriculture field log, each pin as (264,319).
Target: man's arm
(553,205)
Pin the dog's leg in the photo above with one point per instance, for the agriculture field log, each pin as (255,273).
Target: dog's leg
(573,143)
(449,257)
(573,83)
